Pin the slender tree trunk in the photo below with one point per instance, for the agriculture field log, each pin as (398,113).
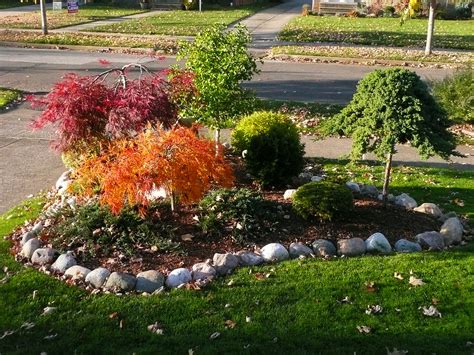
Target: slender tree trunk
(44,21)
(429,36)
(388,169)
(217,139)
(173,201)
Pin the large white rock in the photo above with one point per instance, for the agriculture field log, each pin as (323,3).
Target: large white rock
(25,237)
(317,178)
(452,231)
(405,246)
(377,243)
(77,272)
(248,258)
(120,281)
(324,248)
(430,240)
(149,281)
(64,262)
(97,277)
(289,194)
(225,263)
(203,271)
(29,247)
(274,252)
(369,190)
(299,249)
(43,256)
(351,247)
(429,208)
(63,182)
(37,228)
(406,201)
(178,277)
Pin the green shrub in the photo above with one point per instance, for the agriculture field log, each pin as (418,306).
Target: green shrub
(274,153)
(456,95)
(243,212)
(325,200)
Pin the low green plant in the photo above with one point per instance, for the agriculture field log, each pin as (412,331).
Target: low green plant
(271,145)
(456,95)
(245,212)
(7,96)
(100,231)
(325,200)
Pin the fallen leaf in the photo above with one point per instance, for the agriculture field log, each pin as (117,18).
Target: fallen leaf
(27,325)
(7,333)
(260,276)
(248,319)
(435,301)
(364,329)
(156,328)
(50,337)
(48,310)
(431,311)
(397,275)
(230,283)
(415,282)
(458,202)
(121,324)
(113,315)
(370,286)
(230,324)
(187,237)
(374,309)
(345,300)
(215,335)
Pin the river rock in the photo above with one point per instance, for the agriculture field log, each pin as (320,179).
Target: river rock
(324,248)
(25,237)
(430,240)
(149,281)
(248,258)
(77,272)
(447,216)
(406,201)
(452,231)
(353,186)
(30,246)
(429,208)
(178,277)
(369,190)
(64,262)
(274,252)
(225,263)
(37,228)
(299,249)
(120,281)
(288,195)
(405,246)
(97,277)
(316,178)
(351,247)
(201,271)
(377,243)
(390,197)
(43,256)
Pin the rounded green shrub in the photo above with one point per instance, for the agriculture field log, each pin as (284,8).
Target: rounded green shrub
(273,151)
(325,200)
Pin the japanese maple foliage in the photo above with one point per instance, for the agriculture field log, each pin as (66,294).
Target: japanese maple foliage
(177,160)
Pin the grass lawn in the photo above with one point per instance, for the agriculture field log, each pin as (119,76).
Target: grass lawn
(7,96)
(57,19)
(296,310)
(379,31)
(182,23)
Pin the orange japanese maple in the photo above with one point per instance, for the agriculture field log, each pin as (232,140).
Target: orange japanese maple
(177,160)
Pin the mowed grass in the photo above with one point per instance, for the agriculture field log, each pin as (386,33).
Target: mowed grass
(7,96)
(58,19)
(182,23)
(379,31)
(297,309)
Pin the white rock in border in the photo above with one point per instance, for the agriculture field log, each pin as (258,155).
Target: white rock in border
(225,263)
(353,186)
(324,248)
(369,190)
(405,246)
(29,248)
(299,249)
(429,208)
(43,256)
(274,252)
(97,277)
(452,231)
(25,237)
(377,243)
(64,262)
(37,228)
(248,258)
(201,271)
(121,281)
(77,272)
(351,247)
(430,240)
(149,281)
(288,195)
(406,201)
(317,178)
(178,277)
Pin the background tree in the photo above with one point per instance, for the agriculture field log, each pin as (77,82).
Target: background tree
(44,21)
(220,62)
(393,106)
(413,7)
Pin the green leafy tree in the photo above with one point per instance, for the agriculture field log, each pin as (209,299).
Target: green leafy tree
(393,106)
(220,62)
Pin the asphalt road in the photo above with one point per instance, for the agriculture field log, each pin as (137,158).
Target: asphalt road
(26,163)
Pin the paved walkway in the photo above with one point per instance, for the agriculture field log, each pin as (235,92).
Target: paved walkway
(17,11)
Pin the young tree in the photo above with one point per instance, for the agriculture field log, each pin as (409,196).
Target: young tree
(393,106)
(411,9)
(220,62)
(44,21)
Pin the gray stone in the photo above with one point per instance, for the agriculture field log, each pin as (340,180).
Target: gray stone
(274,252)
(299,249)
(248,258)
(64,262)
(120,281)
(288,195)
(37,228)
(369,190)
(225,263)
(406,201)
(351,247)
(323,248)
(430,240)
(201,271)
(77,272)
(149,281)
(429,208)
(447,216)
(97,277)
(63,181)
(29,247)
(405,246)
(317,178)
(26,237)
(178,277)
(353,186)
(452,230)
(377,243)
(390,197)
(43,256)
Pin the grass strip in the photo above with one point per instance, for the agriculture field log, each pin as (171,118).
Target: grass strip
(7,96)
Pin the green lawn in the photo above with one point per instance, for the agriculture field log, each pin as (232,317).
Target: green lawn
(379,31)
(182,23)
(57,19)
(7,96)
(296,310)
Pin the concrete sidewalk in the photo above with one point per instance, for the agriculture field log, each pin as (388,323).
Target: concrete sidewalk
(17,11)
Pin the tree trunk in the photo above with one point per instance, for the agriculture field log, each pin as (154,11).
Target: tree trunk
(429,36)
(44,22)
(217,139)
(388,169)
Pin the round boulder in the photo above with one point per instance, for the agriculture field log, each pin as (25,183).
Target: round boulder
(429,208)
(97,277)
(288,195)
(120,281)
(324,248)
(29,247)
(201,271)
(452,230)
(351,247)
(377,243)
(299,249)
(248,258)
(353,186)
(64,262)
(225,263)
(406,201)
(274,252)
(77,272)
(25,237)
(430,240)
(149,281)
(369,190)
(405,246)
(43,256)
(178,277)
